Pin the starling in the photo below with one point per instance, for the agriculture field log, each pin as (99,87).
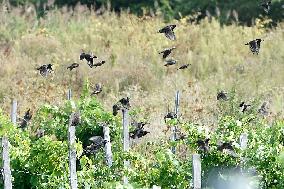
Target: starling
(266,6)
(125,102)
(254,45)
(27,117)
(183,67)
(98,89)
(99,63)
(170,115)
(222,96)
(225,145)
(169,32)
(263,109)
(115,109)
(88,57)
(97,140)
(244,106)
(203,145)
(139,130)
(73,66)
(45,69)
(167,52)
(170,62)
(75,119)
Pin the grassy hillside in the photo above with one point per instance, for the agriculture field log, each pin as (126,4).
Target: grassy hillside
(130,46)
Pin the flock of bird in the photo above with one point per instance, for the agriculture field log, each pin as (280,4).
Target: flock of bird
(97,141)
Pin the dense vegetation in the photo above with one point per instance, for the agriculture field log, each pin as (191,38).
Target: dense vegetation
(42,162)
(227,11)
(130,46)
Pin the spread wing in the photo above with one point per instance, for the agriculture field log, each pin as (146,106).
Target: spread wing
(169,33)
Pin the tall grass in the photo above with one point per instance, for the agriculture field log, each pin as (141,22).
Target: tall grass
(130,45)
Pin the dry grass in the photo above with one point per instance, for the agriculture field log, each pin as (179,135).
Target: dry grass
(130,45)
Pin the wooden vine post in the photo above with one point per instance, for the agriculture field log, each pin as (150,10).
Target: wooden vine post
(72,151)
(196,171)
(125,123)
(174,128)
(107,145)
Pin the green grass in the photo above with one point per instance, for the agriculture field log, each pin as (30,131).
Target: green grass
(130,45)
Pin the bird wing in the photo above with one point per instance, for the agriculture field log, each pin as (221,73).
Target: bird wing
(170,34)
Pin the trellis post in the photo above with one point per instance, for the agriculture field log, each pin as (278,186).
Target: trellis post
(174,128)
(125,123)
(72,151)
(196,168)
(107,145)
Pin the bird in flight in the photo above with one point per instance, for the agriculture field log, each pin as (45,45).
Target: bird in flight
(168,31)
(266,6)
(167,52)
(254,45)
(98,64)
(73,66)
(170,62)
(244,107)
(183,67)
(222,95)
(139,130)
(203,145)
(88,57)
(121,104)
(45,69)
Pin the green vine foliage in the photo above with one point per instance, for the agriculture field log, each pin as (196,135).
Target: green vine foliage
(43,162)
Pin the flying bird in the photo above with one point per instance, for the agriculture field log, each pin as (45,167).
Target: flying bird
(183,67)
(99,63)
(266,6)
(167,52)
(263,109)
(139,130)
(45,69)
(73,66)
(203,145)
(168,31)
(170,62)
(254,45)
(169,115)
(244,107)
(88,57)
(222,95)
(98,89)
(227,147)
(27,117)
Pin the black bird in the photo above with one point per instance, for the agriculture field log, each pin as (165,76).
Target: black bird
(125,102)
(170,115)
(222,95)
(27,117)
(266,6)
(75,119)
(254,45)
(121,104)
(170,62)
(244,107)
(139,130)
(225,145)
(167,52)
(263,109)
(88,57)
(115,109)
(98,89)
(45,69)
(203,145)
(97,142)
(183,67)
(73,66)
(169,31)
(99,63)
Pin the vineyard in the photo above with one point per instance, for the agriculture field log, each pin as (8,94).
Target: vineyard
(236,145)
